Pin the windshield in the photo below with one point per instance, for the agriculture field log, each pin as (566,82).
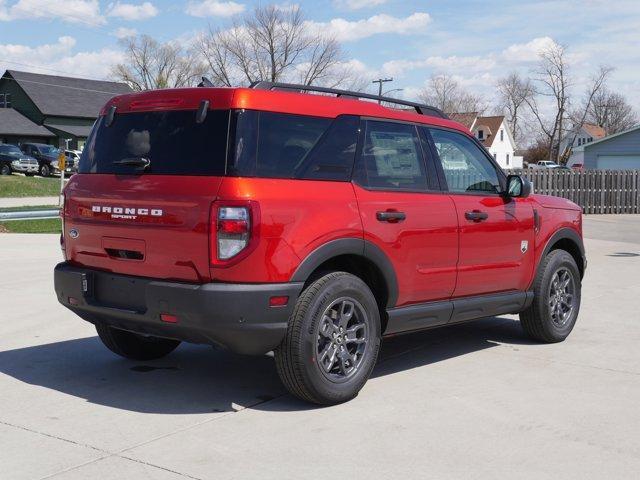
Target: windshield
(49,150)
(161,143)
(10,150)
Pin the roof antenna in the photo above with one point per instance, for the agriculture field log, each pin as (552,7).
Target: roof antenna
(206,83)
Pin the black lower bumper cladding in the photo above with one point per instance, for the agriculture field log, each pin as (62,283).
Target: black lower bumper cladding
(235,316)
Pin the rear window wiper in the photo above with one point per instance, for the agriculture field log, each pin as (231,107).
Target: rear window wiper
(139,162)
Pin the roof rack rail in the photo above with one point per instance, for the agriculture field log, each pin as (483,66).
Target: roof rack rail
(419,108)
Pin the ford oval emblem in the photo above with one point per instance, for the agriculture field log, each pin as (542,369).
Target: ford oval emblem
(73,233)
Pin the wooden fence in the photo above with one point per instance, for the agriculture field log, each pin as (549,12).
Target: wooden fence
(596,191)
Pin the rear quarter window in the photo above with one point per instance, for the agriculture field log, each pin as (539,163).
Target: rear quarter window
(172,141)
(276,145)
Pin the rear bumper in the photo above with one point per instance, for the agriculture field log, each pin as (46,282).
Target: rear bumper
(235,316)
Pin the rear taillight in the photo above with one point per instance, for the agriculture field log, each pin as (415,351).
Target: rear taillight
(232,227)
(62,246)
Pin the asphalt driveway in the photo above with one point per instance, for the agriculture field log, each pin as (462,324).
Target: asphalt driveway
(469,401)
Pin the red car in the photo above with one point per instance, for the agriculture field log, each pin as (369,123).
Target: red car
(274,218)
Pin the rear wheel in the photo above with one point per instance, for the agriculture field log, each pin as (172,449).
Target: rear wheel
(556,303)
(134,346)
(332,341)
(45,170)
(5,169)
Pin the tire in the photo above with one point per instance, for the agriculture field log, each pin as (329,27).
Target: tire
(544,320)
(320,363)
(133,346)
(5,169)
(45,170)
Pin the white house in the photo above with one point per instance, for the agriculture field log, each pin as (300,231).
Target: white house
(583,135)
(494,134)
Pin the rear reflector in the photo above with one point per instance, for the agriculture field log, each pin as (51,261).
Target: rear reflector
(165,317)
(279,301)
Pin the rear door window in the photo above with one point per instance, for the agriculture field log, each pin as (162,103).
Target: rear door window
(172,141)
(391,157)
(277,145)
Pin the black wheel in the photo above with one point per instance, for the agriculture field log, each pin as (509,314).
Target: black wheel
(45,170)
(5,169)
(332,340)
(556,303)
(134,346)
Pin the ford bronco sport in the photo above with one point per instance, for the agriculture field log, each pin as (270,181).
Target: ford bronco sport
(306,221)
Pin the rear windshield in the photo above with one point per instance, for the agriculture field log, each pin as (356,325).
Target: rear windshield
(167,142)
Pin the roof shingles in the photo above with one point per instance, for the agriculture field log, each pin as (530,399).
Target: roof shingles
(14,123)
(66,96)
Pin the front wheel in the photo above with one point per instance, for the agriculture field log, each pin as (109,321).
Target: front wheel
(556,303)
(332,340)
(5,169)
(134,346)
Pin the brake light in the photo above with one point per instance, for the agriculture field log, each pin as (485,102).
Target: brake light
(231,230)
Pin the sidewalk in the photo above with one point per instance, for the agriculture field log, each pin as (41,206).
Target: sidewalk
(25,201)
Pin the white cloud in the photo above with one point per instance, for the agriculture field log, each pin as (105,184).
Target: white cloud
(124,32)
(345,30)
(213,8)
(357,4)
(58,59)
(527,52)
(74,11)
(129,11)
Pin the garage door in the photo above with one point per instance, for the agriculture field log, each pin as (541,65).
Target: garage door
(618,162)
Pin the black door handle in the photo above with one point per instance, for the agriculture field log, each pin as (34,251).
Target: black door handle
(476,216)
(390,216)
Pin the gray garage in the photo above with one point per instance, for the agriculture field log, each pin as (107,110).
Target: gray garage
(620,151)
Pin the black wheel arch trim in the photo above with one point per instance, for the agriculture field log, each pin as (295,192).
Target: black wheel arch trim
(350,246)
(566,233)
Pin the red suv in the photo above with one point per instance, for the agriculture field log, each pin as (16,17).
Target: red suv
(307,221)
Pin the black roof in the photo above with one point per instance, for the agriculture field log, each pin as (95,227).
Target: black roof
(66,96)
(14,123)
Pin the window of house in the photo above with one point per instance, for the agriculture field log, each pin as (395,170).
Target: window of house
(5,100)
(502,135)
(466,167)
(495,156)
(480,134)
(507,159)
(391,157)
(590,139)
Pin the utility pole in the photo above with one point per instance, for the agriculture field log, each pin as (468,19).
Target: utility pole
(380,81)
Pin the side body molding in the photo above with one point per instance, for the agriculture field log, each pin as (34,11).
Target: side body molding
(350,246)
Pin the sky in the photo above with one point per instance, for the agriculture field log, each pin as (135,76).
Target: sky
(476,41)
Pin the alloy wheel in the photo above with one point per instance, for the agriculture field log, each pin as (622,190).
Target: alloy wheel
(343,334)
(561,297)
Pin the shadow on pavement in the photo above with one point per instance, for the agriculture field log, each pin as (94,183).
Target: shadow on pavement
(197,379)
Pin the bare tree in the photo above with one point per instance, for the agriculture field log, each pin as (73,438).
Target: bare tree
(552,82)
(611,111)
(445,93)
(597,85)
(275,44)
(513,93)
(151,65)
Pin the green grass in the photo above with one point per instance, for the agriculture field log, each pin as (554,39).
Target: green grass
(46,225)
(26,208)
(20,186)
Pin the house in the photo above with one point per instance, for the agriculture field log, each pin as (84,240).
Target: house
(579,136)
(65,107)
(620,151)
(494,134)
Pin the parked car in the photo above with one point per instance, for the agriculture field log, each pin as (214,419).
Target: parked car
(545,164)
(13,160)
(44,154)
(73,159)
(313,226)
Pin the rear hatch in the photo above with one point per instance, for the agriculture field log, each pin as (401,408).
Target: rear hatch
(141,200)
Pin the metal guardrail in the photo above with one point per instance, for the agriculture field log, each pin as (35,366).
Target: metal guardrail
(29,215)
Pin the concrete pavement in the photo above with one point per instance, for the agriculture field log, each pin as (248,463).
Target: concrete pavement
(10,202)
(470,401)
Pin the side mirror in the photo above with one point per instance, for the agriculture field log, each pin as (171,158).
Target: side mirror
(517,187)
